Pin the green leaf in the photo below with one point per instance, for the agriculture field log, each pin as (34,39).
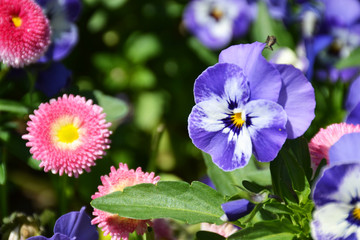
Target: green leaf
(252,186)
(115,108)
(265,25)
(276,207)
(204,235)
(13,106)
(351,61)
(179,200)
(2,173)
(300,149)
(298,179)
(206,55)
(267,230)
(228,183)
(281,180)
(141,47)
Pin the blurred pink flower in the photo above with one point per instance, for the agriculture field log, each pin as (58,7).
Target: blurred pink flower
(24,32)
(120,227)
(320,144)
(68,135)
(224,230)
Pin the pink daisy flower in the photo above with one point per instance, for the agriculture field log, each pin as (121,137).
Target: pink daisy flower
(24,32)
(67,135)
(224,230)
(120,227)
(320,144)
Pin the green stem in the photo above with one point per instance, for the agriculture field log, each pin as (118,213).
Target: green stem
(155,147)
(32,80)
(150,235)
(3,189)
(62,186)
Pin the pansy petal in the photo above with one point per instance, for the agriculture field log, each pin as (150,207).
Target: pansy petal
(346,149)
(342,13)
(266,122)
(237,209)
(56,236)
(65,43)
(338,183)
(233,154)
(353,97)
(52,79)
(72,9)
(329,222)
(76,224)
(354,115)
(219,80)
(263,78)
(298,100)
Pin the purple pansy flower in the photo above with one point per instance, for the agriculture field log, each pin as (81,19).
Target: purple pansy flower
(73,225)
(337,203)
(62,15)
(216,22)
(236,209)
(331,32)
(246,105)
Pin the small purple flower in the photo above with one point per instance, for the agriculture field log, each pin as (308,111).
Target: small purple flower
(246,105)
(337,203)
(73,225)
(216,22)
(62,15)
(236,209)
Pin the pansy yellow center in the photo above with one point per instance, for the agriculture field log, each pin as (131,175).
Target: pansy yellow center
(356,213)
(217,14)
(17,21)
(68,133)
(238,119)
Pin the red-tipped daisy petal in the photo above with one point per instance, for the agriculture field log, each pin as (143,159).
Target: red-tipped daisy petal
(24,32)
(68,134)
(320,144)
(120,227)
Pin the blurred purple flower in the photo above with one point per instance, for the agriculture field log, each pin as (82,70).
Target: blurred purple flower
(331,32)
(216,22)
(277,8)
(62,15)
(236,209)
(246,105)
(337,203)
(73,225)
(52,79)
(352,104)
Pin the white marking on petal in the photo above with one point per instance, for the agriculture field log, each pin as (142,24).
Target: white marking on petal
(215,110)
(330,221)
(349,188)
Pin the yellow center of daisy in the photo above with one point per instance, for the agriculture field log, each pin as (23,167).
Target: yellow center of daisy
(238,119)
(356,213)
(17,21)
(68,133)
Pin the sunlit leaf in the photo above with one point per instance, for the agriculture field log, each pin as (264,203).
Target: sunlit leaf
(193,203)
